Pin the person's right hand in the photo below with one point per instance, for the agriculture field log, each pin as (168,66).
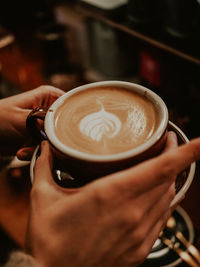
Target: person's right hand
(113,221)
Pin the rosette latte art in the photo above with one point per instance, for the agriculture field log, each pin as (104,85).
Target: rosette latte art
(105,121)
(100,124)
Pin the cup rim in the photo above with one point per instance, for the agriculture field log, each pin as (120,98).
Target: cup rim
(49,123)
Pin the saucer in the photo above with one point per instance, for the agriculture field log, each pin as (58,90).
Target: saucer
(161,255)
(182,183)
(185,178)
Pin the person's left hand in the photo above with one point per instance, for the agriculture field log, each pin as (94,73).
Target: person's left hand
(14,111)
(113,221)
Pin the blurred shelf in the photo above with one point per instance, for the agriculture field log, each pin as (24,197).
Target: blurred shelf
(191,55)
(91,75)
(6,38)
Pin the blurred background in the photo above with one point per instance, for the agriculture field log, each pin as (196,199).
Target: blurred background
(68,43)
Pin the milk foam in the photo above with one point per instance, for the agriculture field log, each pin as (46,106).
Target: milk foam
(136,122)
(100,124)
(105,120)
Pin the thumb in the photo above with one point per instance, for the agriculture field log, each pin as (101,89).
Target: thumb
(44,182)
(44,191)
(171,142)
(43,166)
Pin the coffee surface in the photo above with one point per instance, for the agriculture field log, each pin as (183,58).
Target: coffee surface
(105,120)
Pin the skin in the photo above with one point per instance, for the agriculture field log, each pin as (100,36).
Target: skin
(13,113)
(113,221)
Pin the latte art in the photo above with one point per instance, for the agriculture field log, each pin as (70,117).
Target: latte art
(100,124)
(136,123)
(105,120)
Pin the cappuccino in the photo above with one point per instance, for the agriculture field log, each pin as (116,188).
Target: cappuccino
(105,120)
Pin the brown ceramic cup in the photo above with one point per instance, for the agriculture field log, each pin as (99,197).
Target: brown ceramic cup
(82,165)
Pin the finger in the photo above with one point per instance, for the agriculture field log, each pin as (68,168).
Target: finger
(157,192)
(183,156)
(25,153)
(44,164)
(142,251)
(156,210)
(171,142)
(161,169)
(130,200)
(156,229)
(46,95)
(43,173)
(154,203)
(43,192)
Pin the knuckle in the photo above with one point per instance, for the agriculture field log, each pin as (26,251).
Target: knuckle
(102,194)
(34,193)
(170,194)
(167,172)
(164,173)
(99,197)
(46,87)
(139,235)
(194,155)
(131,220)
(127,221)
(38,190)
(137,216)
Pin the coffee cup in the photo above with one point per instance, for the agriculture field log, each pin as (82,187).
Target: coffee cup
(102,127)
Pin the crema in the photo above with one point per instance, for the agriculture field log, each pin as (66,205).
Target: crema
(105,120)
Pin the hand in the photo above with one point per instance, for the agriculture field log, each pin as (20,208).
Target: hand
(113,221)
(14,111)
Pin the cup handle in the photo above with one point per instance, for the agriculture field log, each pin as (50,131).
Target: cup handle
(33,125)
